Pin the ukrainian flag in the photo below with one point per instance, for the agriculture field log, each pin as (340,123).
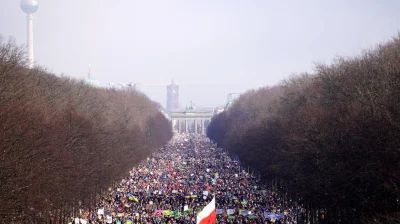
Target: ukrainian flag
(130,196)
(192,195)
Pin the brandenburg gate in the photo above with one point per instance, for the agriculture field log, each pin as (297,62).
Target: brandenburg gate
(189,116)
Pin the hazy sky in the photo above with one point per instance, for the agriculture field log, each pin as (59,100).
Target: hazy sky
(210,47)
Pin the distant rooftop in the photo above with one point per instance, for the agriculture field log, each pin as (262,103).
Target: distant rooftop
(91,81)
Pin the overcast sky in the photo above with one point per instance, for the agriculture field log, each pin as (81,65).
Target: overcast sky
(210,47)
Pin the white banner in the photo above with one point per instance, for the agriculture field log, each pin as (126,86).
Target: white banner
(109,219)
(100,211)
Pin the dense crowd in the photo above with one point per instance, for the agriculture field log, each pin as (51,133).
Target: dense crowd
(175,183)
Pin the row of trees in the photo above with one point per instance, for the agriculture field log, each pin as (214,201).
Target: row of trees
(330,138)
(62,142)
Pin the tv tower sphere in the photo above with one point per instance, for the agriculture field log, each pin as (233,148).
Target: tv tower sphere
(29,6)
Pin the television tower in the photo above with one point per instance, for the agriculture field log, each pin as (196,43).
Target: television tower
(30,7)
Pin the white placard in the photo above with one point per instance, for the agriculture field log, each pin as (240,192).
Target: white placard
(109,219)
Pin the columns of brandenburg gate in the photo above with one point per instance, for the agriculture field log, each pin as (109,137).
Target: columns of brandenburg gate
(178,122)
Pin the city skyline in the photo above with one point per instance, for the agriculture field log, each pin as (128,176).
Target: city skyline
(210,49)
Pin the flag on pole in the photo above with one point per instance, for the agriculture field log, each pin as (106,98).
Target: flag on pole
(208,215)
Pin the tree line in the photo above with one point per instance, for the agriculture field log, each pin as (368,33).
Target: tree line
(63,142)
(328,139)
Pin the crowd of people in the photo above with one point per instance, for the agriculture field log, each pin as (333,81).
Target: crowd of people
(176,182)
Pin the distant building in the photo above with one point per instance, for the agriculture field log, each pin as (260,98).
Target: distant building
(218,110)
(231,98)
(91,81)
(172,97)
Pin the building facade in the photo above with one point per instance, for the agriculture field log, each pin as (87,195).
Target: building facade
(172,97)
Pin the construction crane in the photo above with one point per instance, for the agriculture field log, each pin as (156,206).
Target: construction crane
(152,84)
(136,85)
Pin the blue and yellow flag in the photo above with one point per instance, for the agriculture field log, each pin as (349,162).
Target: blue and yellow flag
(130,196)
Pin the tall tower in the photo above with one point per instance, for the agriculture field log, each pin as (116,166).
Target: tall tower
(30,7)
(172,97)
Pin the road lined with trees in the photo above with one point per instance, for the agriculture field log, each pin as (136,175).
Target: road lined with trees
(329,139)
(62,142)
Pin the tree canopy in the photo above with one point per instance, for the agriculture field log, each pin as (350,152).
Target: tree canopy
(329,138)
(63,142)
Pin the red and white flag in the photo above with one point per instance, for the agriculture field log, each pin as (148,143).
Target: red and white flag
(208,215)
